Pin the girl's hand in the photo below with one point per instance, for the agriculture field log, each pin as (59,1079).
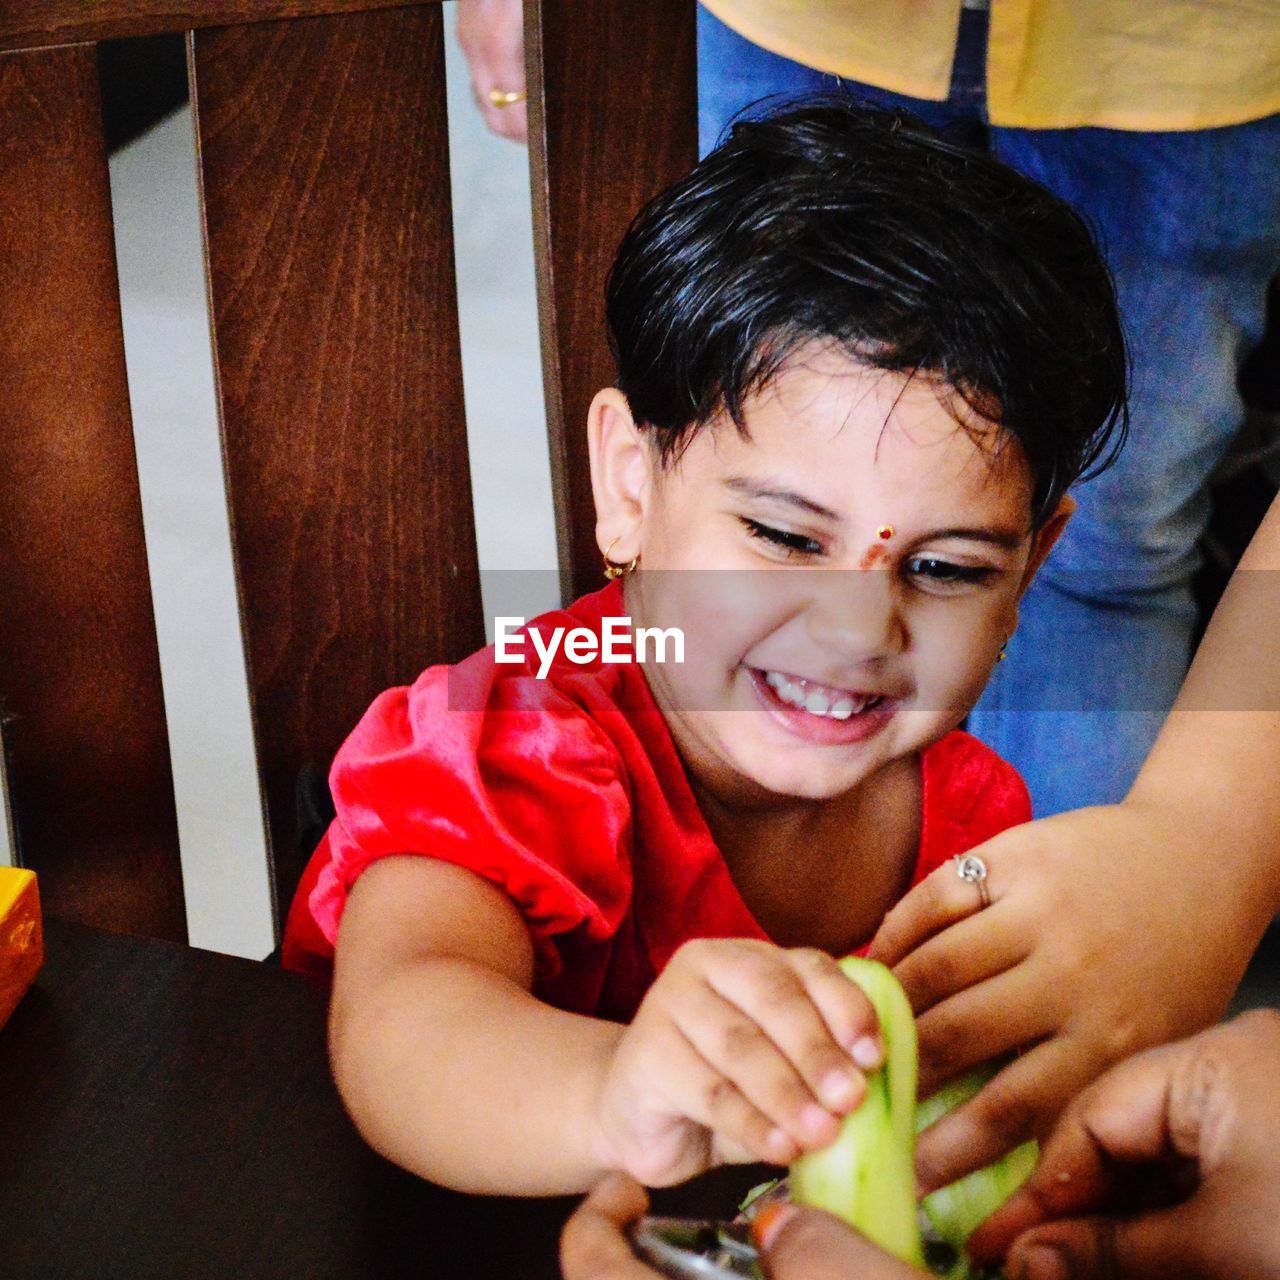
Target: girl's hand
(741,1051)
(1110,930)
(1191,1132)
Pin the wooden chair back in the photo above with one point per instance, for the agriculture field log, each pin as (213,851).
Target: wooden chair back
(612,120)
(323,165)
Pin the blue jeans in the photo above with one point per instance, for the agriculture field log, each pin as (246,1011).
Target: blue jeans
(1190,225)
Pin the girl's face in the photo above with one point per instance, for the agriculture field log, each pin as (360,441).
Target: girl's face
(845,577)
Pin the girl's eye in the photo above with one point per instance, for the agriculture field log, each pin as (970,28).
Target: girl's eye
(943,575)
(791,544)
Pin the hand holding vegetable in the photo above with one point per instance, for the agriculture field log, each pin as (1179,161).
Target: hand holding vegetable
(1191,1132)
(741,1051)
(848,1200)
(1109,931)
(1115,928)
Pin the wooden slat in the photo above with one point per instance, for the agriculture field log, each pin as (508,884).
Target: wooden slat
(326,182)
(79,676)
(31,24)
(612,120)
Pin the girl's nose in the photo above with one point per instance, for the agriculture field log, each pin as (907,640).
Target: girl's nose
(855,612)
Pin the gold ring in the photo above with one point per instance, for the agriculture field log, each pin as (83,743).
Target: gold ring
(506,97)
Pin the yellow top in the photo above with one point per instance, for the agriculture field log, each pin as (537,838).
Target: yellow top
(1051,64)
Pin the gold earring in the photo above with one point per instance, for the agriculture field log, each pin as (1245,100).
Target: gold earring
(1004,650)
(612,570)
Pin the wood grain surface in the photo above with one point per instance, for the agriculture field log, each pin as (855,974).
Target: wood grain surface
(612,120)
(324,157)
(84,724)
(28,24)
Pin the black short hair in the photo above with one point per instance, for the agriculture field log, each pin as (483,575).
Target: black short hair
(834,222)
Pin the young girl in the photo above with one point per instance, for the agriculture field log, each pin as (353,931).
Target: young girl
(584,910)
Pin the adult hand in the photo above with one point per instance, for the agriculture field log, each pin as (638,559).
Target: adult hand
(1203,1114)
(1110,930)
(796,1244)
(741,1051)
(491,34)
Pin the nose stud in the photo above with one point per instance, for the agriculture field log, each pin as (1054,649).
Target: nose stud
(885,531)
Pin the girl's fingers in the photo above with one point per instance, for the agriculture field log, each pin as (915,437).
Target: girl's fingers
(741,1132)
(940,900)
(747,1076)
(979,947)
(1011,1108)
(987,1021)
(843,1005)
(784,995)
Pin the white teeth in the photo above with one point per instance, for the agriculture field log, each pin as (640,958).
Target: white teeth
(816,703)
(786,689)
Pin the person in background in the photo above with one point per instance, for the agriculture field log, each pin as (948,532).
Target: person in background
(1191,1131)
(1158,124)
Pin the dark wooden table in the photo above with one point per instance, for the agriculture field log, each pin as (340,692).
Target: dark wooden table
(167,1112)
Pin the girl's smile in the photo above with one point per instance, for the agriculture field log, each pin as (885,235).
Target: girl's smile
(821,713)
(845,573)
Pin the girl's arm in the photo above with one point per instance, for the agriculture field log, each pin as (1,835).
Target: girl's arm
(1116,927)
(450,1067)
(446,1062)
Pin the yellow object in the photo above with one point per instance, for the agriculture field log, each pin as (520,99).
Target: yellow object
(21,939)
(1051,64)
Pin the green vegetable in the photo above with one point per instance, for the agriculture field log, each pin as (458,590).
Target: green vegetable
(956,1210)
(867,1176)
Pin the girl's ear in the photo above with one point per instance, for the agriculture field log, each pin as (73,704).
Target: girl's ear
(620,472)
(1046,536)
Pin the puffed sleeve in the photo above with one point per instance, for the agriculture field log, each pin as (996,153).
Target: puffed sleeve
(500,773)
(970,796)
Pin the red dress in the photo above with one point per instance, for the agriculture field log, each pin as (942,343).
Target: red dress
(569,795)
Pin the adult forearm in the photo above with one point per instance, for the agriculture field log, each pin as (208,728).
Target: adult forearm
(1216,760)
(458,1074)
